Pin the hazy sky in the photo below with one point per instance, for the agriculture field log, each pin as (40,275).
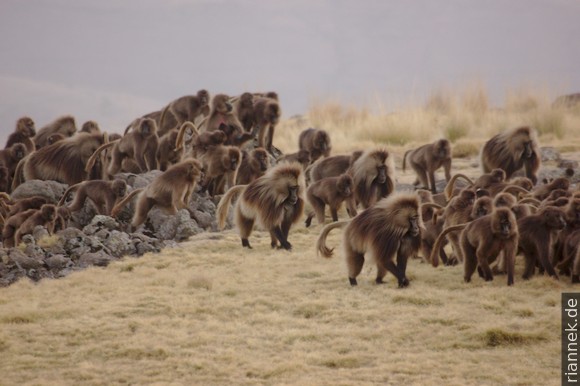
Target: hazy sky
(112,61)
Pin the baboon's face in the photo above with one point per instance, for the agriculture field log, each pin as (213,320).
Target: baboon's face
(468,196)
(203,96)
(262,158)
(505,225)
(321,141)
(498,175)
(381,173)
(70,128)
(27,127)
(414,228)
(234,160)
(221,104)
(345,186)
(555,218)
(443,151)
(561,183)
(19,151)
(482,207)
(292,195)
(64,212)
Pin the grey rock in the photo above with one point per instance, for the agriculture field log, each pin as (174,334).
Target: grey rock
(167,227)
(58,262)
(51,190)
(100,259)
(23,261)
(119,244)
(99,223)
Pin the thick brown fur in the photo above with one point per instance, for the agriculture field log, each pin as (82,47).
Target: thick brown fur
(331,166)
(170,191)
(267,114)
(140,145)
(301,156)
(543,191)
(316,142)
(183,109)
(90,127)
(482,240)
(458,211)
(44,216)
(425,160)
(34,202)
(391,228)
(206,142)
(511,151)
(222,112)
(167,153)
(504,200)
(274,201)
(5,179)
(11,156)
(245,110)
(54,138)
(254,165)
(221,164)
(12,224)
(373,174)
(65,125)
(63,216)
(536,239)
(63,161)
(103,194)
(331,191)
(23,133)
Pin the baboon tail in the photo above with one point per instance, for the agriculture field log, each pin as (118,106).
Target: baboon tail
(181,135)
(405,159)
(66,193)
(437,246)
(18,174)
(93,157)
(516,189)
(451,184)
(530,201)
(321,242)
(224,205)
(117,208)
(129,126)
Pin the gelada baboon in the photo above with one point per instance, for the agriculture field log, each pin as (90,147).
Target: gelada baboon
(11,156)
(392,227)
(485,181)
(331,191)
(482,240)
(425,160)
(185,108)
(44,216)
(12,224)
(140,144)
(273,201)
(254,165)
(103,194)
(267,114)
(65,125)
(34,202)
(331,166)
(244,107)
(54,138)
(536,239)
(301,156)
(543,191)
(220,167)
(222,112)
(23,133)
(63,161)
(373,174)
(170,191)
(316,142)
(167,153)
(511,151)
(90,127)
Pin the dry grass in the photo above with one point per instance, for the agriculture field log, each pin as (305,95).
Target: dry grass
(210,312)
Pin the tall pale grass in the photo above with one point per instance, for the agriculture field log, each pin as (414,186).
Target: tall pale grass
(465,117)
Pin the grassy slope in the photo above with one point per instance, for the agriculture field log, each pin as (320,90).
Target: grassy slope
(210,312)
